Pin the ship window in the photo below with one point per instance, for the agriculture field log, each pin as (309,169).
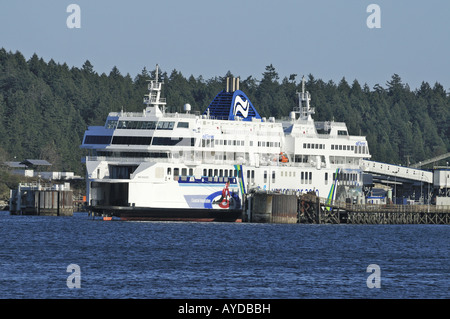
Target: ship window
(121,171)
(273,177)
(111,124)
(183,125)
(183,172)
(265,176)
(341,132)
(173,141)
(169,171)
(251,143)
(210,172)
(163,125)
(131,140)
(97,139)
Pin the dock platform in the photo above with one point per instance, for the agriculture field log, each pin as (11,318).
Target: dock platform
(311,209)
(38,199)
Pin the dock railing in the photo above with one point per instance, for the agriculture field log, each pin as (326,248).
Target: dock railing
(415,208)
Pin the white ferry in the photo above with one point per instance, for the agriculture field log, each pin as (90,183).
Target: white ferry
(184,166)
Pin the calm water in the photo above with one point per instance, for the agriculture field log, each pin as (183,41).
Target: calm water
(219,260)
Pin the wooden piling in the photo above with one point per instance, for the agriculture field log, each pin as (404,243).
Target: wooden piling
(36,200)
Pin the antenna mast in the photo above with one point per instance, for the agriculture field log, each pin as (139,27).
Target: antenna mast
(153,98)
(304,96)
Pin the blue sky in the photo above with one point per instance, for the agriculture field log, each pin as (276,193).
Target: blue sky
(327,38)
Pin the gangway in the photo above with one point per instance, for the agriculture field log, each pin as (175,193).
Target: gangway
(431,160)
(397,171)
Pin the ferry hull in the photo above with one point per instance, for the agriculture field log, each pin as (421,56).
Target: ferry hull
(169,214)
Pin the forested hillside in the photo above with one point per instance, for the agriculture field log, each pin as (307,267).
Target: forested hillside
(45,107)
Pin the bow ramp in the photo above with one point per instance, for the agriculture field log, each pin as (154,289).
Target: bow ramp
(231,104)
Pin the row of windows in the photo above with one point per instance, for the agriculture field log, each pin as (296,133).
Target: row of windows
(173,141)
(140,140)
(343,147)
(207,142)
(314,146)
(144,125)
(131,140)
(133,154)
(268,144)
(220,175)
(357,149)
(346,177)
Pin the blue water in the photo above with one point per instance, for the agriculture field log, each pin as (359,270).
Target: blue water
(219,260)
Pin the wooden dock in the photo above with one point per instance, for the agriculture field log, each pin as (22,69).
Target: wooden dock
(38,199)
(310,209)
(317,210)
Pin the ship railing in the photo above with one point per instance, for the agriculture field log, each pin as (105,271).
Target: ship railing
(127,114)
(154,100)
(128,159)
(414,208)
(183,115)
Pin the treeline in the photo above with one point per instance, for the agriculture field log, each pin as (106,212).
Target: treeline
(45,107)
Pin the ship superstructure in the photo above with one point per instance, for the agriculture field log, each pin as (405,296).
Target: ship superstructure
(159,165)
